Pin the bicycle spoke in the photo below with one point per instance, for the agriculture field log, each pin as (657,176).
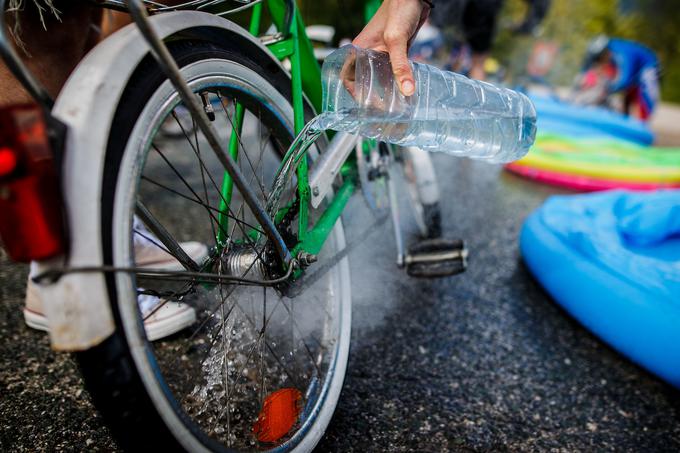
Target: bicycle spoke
(264,321)
(197,197)
(153,241)
(225,351)
(242,205)
(240,142)
(197,200)
(261,335)
(165,237)
(229,214)
(296,326)
(252,323)
(215,309)
(201,167)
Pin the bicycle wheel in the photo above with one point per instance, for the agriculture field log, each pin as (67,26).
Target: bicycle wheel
(258,370)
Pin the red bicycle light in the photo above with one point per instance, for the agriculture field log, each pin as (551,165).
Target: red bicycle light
(31,225)
(8,161)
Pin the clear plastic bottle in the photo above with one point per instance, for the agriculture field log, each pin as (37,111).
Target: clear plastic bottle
(448,112)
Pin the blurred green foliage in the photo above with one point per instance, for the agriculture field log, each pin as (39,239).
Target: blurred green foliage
(570,23)
(347,16)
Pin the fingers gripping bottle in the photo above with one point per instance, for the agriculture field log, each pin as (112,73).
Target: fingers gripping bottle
(448,112)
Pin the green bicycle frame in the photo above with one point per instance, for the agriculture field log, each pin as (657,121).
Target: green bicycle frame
(305,81)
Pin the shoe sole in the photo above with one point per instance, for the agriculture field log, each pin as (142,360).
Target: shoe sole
(36,320)
(154,330)
(171,325)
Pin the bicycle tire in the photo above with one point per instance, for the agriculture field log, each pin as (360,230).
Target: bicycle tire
(122,374)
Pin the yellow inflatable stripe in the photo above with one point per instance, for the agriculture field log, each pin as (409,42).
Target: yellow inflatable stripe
(606,159)
(636,171)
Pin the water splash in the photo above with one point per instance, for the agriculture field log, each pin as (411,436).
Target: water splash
(296,151)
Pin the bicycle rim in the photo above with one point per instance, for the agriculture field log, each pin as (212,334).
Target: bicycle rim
(214,383)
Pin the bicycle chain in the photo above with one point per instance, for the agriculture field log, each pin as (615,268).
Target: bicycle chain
(285,224)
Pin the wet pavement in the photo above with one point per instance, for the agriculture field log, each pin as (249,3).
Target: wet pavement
(478,362)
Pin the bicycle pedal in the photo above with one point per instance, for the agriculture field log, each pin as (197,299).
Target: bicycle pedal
(433,258)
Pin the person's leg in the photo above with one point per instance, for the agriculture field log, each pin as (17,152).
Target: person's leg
(479,23)
(630,98)
(50,51)
(477,65)
(113,21)
(649,91)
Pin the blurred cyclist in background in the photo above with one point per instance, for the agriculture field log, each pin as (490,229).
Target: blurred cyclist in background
(620,66)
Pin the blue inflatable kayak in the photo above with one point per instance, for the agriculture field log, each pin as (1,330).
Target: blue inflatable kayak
(571,120)
(612,260)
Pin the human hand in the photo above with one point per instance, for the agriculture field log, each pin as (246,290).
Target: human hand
(391,30)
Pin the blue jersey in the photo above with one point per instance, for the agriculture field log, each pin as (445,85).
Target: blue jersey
(632,61)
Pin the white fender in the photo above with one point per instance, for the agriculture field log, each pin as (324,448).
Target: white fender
(77,306)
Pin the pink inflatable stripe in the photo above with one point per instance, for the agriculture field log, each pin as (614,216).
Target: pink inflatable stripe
(582,183)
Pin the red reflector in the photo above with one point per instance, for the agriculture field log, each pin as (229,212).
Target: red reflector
(8,161)
(279,413)
(31,224)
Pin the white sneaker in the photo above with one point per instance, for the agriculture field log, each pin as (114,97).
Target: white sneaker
(162,318)
(150,253)
(170,318)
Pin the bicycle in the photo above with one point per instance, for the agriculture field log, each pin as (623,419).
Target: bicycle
(263,366)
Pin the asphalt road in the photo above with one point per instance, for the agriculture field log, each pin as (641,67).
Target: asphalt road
(484,361)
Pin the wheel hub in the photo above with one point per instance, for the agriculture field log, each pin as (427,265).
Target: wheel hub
(243,261)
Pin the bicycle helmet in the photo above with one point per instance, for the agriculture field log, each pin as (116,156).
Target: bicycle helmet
(596,49)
